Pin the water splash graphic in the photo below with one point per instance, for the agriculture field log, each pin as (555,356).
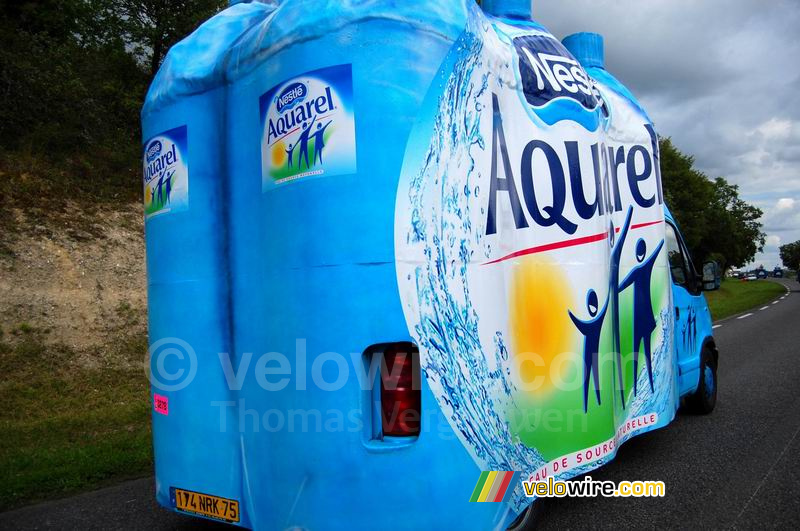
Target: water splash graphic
(476,385)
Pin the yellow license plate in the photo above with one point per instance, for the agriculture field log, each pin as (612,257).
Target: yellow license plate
(206,505)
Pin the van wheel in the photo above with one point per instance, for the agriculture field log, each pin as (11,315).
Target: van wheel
(705,398)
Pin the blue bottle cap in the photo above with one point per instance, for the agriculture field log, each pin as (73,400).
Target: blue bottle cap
(508,8)
(587,48)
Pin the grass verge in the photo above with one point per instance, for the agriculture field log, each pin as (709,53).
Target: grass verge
(67,426)
(735,296)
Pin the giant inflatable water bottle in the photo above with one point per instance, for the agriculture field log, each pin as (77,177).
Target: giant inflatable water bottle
(183,124)
(437,186)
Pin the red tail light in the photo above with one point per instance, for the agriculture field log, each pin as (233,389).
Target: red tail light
(400,392)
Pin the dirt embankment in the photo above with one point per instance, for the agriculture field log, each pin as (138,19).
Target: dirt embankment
(77,279)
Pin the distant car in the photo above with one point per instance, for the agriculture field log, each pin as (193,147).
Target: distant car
(751,276)
(761,273)
(778,273)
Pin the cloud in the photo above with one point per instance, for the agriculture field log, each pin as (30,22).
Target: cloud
(785,203)
(773,242)
(720,78)
(775,129)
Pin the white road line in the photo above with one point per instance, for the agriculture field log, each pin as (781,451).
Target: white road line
(776,302)
(744,316)
(764,308)
(766,477)
(715,327)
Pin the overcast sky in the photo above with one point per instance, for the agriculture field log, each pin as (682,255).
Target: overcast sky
(722,78)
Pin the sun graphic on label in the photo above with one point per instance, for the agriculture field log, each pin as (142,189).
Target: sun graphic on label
(541,331)
(278,153)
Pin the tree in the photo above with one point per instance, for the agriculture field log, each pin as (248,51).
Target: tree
(715,222)
(67,79)
(733,230)
(790,255)
(687,192)
(153,26)
(73,75)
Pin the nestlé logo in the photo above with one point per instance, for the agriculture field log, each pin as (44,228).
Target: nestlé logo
(291,96)
(548,71)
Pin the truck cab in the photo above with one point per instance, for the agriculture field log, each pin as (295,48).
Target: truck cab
(694,343)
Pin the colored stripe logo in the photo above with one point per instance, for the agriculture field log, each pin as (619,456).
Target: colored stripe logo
(494,486)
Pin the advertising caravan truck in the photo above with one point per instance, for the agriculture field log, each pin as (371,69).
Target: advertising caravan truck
(403,256)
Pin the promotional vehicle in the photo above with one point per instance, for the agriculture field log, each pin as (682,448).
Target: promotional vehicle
(393,245)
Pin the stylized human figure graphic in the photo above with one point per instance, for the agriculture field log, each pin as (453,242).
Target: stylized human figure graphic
(319,141)
(691,325)
(289,152)
(152,195)
(644,322)
(168,186)
(591,344)
(617,244)
(304,137)
(160,187)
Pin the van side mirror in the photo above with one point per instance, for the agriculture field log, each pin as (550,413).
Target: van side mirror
(711,276)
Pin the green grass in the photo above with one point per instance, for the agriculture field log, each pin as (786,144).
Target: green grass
(66,427)
(736,296)
(66,192)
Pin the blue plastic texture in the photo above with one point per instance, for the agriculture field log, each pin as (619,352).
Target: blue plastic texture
(187,261)
(587,48)
(519,9)
(196,64)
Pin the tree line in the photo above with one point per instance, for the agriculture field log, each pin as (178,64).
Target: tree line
(73,76)
(790,255)
(74,73)
(716,223)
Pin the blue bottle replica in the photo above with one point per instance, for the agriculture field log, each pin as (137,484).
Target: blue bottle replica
(383,240)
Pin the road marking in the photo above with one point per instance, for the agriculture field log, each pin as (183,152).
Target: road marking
(715,326)
(776,302)
(767,475)
(764,308)
(744,316)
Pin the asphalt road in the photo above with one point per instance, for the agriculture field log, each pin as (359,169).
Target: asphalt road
(736,468)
